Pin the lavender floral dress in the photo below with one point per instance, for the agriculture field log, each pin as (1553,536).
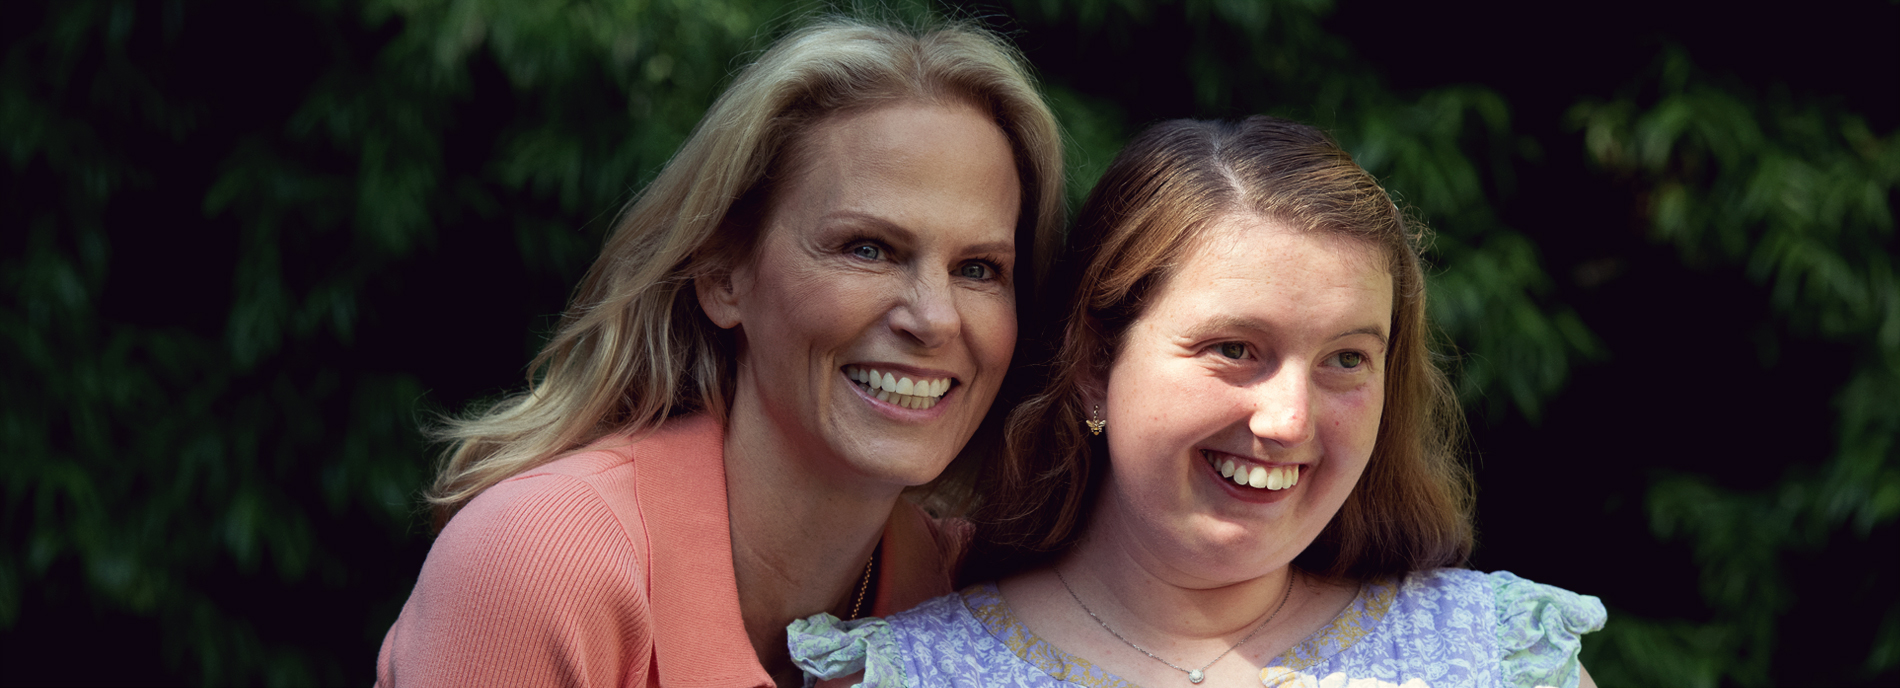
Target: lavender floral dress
(1444,628)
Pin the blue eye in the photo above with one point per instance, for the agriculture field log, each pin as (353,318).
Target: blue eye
(1351,359)
(1233,350)
(868,252)
(976,271)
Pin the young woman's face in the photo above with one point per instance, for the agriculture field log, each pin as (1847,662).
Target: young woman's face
(1262,359)
(876,314)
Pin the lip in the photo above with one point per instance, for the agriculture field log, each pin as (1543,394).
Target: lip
(899,413)
(1249,494)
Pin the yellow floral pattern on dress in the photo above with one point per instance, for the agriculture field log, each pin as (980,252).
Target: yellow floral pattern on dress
(1282,677)
(986,604)
(1352,625)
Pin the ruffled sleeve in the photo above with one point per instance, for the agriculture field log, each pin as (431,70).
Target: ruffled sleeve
(827,648)
(1540,631)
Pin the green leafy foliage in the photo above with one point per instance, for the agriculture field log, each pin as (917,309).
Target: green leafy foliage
(1802,197)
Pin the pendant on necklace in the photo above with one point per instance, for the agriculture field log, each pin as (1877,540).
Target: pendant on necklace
(1195,676)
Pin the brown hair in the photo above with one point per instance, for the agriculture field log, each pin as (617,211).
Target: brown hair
(1412,506)
(634,348)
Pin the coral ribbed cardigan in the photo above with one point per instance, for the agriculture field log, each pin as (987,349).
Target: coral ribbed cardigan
(612,567)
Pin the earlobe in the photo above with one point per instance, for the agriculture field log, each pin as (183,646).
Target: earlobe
(718,297)
(1093,390)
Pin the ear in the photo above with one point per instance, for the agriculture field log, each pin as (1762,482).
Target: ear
(1093,387)
(720,292)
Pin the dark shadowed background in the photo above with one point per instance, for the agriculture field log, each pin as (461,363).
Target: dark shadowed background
(247,247)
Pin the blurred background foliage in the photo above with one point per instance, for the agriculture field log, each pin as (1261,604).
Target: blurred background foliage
(248,247)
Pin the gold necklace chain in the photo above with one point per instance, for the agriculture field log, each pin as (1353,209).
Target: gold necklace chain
(866,585)
(1193,675)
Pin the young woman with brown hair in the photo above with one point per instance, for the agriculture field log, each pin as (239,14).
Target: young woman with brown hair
(1242,468)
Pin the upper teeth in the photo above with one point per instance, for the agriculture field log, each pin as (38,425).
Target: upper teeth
(1274,478)
(903,391)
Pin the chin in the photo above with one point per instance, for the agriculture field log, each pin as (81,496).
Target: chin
(900,465)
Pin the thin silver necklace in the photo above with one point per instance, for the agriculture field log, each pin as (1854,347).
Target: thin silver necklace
(1193,675)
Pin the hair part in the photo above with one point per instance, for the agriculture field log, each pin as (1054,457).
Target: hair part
(634,347)
(1156,203)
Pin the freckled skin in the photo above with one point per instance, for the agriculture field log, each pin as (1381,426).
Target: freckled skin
(1303,306)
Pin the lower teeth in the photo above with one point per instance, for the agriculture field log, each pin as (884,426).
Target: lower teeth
(908,401)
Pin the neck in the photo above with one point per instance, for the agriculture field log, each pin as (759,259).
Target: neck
(800,537)
(1140,594)
(1217,613)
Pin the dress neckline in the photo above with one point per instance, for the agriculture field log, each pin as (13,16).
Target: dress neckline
(1352,624)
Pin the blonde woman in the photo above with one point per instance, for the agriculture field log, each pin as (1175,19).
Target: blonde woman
(1241,470)
(809,311)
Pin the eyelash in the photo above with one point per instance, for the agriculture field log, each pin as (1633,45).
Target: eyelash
(1246,352)
(994,268)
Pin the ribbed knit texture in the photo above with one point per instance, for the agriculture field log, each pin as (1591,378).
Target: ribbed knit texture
(612,567)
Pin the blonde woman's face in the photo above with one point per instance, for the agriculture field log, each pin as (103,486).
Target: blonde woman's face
(1262,359)
(877,314)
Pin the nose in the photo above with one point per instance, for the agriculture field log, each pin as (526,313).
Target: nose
(1283,408)
(927,313)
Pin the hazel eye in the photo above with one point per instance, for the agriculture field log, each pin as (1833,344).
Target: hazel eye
(1233,350)
(976,271)
(868,252)
(1351,359)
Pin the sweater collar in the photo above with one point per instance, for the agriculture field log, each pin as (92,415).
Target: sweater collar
(698,633)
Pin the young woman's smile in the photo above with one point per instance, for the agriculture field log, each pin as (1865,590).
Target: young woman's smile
(1244,403)
(876,315)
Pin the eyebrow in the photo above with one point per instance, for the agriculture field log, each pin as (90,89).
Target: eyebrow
(1372,330)
(1227,322)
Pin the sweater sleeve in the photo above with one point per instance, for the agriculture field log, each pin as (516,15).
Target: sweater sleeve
(535,583)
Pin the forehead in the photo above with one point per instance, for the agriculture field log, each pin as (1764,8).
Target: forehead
(903,154)
(1245,261)
(892,133)
(1240,240)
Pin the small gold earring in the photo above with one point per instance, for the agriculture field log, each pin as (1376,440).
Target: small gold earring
(1096,423)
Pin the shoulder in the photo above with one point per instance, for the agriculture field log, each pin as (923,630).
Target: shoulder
(1519,600)
(539,576)
(591,494)
(1506,600)
(535,546)
(576,512)
(1531,633)
(937,611)
(573,525)
(1448,600)
(1540,630)
(1432,625)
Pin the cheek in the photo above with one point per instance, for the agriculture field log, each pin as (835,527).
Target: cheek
(838,307)
(990,324)
(1353,418)
(1162,411)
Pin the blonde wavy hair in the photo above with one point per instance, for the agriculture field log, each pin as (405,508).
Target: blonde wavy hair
(634,348)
